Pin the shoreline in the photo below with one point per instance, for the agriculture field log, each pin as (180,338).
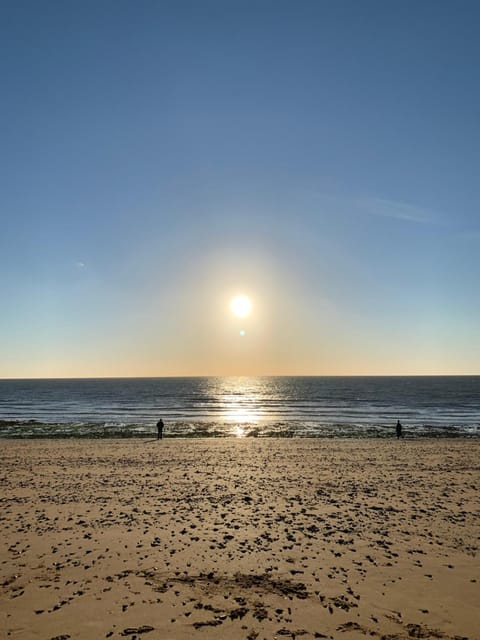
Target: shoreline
(249,538)
(293,429)
(153,436)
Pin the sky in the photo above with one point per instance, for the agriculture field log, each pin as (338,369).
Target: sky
(159,157)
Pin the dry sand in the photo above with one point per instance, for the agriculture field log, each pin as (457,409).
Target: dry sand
(236,538)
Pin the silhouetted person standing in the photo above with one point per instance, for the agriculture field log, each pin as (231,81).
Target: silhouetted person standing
(398,429)
(160,426)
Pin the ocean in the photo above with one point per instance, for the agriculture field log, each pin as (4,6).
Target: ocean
(241,407)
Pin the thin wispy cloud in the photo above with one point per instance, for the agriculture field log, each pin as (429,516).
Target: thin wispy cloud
(373,206)
(469,234)
(396,210)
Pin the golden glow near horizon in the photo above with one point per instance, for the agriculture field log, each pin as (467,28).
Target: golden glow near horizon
(241,306)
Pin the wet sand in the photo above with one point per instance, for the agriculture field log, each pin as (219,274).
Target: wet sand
(239,539)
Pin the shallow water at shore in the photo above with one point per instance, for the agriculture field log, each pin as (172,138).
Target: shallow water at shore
(34,429)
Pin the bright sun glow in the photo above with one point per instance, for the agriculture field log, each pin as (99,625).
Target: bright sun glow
(241,306)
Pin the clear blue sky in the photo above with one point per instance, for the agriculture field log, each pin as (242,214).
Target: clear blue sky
(158,157)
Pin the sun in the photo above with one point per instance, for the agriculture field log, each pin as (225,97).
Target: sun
(241,306)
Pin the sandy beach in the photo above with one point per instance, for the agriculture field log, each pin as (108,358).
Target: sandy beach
(240,539)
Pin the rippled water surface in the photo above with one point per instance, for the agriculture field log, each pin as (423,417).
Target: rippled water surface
(261,406)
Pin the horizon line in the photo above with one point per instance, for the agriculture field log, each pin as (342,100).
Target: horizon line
(263,375)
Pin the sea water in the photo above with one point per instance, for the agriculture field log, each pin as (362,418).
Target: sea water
(245,406)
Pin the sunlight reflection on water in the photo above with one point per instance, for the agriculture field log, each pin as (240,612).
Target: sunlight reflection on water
(240,414)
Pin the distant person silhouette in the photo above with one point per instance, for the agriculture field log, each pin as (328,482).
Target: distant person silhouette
(160,426)
(399,430)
